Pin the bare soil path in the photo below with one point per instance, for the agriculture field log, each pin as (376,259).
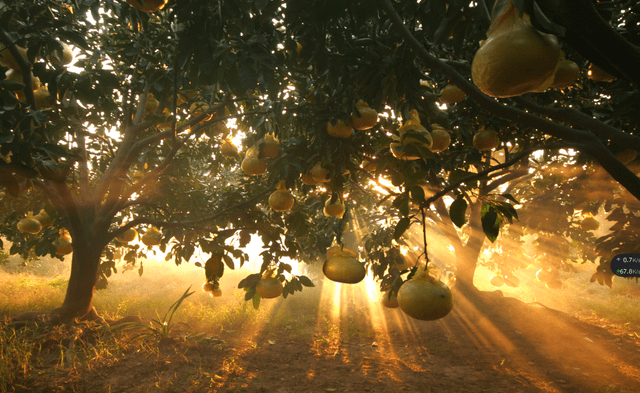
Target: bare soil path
(497,344)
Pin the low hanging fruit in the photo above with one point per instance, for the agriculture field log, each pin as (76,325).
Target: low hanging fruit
(7,59)
(228,149)
(337,128)
(486,139)
(425,298)
(626,156)
(440,139)
(334,207)
(308,179)
(319,172)
(44,218)
(43,98)
(151,237)
(252,164)
(343,267)
(63,245)
(16,76)
(128,236)
(389,301)
(270,146)
(451,94)
(29,224)
(412,132)
(515,58)
(64,57)
(269,288)
(281,200)
(566,74)
(151,104)
(366,118)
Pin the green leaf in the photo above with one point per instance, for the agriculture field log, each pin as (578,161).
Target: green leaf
(458,210)
(401,227)
(490,222)
(304,280)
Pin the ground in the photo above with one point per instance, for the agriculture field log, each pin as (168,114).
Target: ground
(328,340)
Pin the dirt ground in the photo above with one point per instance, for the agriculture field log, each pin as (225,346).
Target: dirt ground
(496,344)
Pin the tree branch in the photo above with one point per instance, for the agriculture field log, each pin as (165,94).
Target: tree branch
(587,140)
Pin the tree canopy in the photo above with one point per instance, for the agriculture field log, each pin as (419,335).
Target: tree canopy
(121,115)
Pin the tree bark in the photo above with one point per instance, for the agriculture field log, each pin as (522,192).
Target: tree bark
(467,256)
(78,302)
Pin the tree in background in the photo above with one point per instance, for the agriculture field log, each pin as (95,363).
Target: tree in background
(135,135)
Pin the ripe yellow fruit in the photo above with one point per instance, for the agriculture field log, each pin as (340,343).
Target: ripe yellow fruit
(440,139)
(66,56)
(198,107)
(370,166)
(44,218)
(308,179)
(7,59)
(270,146)
(451,94)
(152,103)
(339,129)
(209,287)
(626,156)
(516,58)
(228,149)
(425,298)
(596,74)
(148,6)
(566,74)
(344,268)
(29,224)
(412,132)
(368,117)
(16,75)
(151,237)
(486,139)
(128,236)
(43,98)
(335,208)
(590,224)
(269,288)
(63,245)
(281,200)
(389,302)
(497,281)
(252,164)
(320,173)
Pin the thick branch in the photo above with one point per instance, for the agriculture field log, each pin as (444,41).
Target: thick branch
(587,140)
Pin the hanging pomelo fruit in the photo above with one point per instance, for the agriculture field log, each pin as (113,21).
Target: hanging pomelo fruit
(252,164)
(152,237)
(281,200)
(451,94)
(228,149)
(367,117)
(343,267)
(412,132)
(269,288)
(440,137)
(63,244)
(44,218)
(515,58)
(270,146)
(566,74)
(334,207)
(128,236)
(486,139)
(339,129)
(29,224)
(626,156)
(7,59)
(425,298)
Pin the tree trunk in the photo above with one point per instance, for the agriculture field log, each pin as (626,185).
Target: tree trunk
(467,256)
(78,302)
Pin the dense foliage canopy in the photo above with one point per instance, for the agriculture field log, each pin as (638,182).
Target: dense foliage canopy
(129,134)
